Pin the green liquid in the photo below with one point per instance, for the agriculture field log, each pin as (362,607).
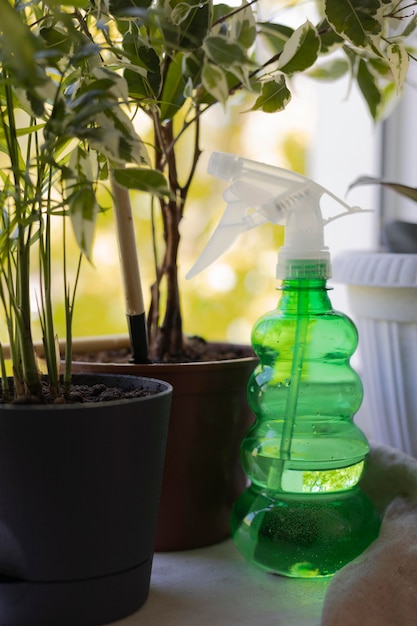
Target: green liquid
(303,536)
(296,480)
(303,514)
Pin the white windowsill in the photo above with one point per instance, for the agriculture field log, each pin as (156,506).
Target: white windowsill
(215,586)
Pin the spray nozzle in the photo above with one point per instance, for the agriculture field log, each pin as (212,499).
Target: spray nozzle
(261,193)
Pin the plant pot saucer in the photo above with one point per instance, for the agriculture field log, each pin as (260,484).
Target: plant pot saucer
(94,601)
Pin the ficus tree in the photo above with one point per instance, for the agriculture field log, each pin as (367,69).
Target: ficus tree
(181,58)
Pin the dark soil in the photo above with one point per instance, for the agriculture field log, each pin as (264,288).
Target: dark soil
(102,393)
(81,394)
(196,349)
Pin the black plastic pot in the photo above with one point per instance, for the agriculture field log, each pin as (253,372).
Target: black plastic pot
(79,497)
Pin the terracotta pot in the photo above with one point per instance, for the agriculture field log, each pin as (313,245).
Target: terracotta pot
(202,475)
(79,494)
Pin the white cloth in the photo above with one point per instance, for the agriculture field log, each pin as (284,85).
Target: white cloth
(379,588)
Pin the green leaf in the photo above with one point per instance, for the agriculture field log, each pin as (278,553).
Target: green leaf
(185,24)
(181,12)
(19,46)
(380,68)
(116,84)
(369,88)
(242,26)
(404,190)
(274,97)
(129,8)
(410,26)
(83,211)
(21,132)
(115,136)
(79,4)
(224,52)
(173,96)
(150,181)
(329,39)
(196,25)
(398,60)
(332,70)
(301,50)
(143,73)
(81,199)
(215,82)
(58,42)
(92,91)
(276,35)
(193,66)
(138,84)
(220,11)
(359,21)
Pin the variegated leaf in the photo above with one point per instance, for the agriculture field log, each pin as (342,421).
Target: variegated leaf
(274,96)
(398,61)
(359,22)
(301,50)
(215,82)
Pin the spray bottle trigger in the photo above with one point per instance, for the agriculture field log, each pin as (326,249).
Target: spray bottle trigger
(235,221)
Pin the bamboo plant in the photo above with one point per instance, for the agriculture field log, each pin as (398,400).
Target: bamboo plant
(62,126)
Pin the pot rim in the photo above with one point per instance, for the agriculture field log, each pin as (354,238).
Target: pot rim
(165,389)
(87,344)
(375,269)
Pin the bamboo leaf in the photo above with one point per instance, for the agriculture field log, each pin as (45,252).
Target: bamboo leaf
(81,199)
(18,41)
(83,211)
(148,180)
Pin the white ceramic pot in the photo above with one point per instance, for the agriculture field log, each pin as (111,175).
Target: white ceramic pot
(382,291)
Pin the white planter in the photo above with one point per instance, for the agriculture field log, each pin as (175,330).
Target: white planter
(382,291)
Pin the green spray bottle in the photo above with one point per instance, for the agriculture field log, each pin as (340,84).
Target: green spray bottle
(303,514)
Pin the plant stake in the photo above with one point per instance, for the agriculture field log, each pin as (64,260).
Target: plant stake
(135,308)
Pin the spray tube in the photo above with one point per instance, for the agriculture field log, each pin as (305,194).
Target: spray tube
(303,513)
